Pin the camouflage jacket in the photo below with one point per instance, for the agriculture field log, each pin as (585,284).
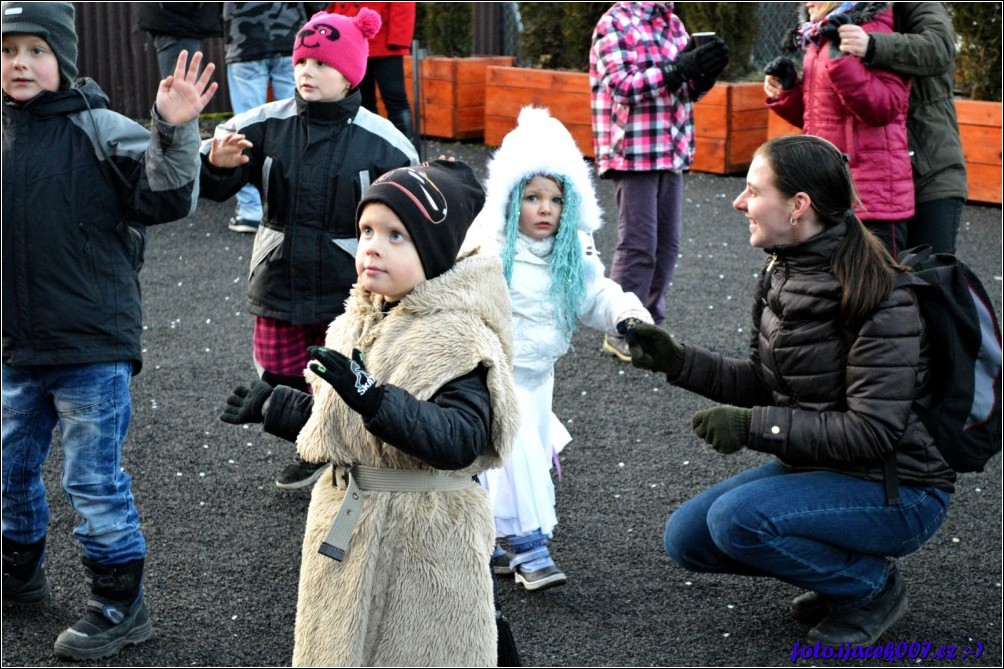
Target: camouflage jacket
(258,30)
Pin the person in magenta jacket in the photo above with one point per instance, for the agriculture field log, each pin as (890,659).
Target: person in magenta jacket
(386,61)
(861,110)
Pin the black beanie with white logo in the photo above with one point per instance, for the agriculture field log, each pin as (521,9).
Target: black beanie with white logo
(437,202)
(53,22)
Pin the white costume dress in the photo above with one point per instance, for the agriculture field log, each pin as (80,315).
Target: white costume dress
(522,490)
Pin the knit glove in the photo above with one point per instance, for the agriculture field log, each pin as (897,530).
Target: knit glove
(653,348)
(349,378)
(784,69)
(245,404)
(726,428)
(701,64)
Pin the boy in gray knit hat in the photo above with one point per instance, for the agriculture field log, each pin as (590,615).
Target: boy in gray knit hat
(86,182)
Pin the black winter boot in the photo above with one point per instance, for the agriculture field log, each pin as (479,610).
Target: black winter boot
(863,626)
(116,614)
(809,608)
(24,580)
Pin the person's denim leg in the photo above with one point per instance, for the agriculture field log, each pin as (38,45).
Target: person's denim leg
(168,47)
(282,76)
(94,407)
(687,539)
(248,82)
(29,418)
(634,260)
(824,531)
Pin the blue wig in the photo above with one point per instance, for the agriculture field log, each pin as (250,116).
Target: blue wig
(568,287)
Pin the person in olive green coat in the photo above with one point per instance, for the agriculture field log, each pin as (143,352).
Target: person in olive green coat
(923,47)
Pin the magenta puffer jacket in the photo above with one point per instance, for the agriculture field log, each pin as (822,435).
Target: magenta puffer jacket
(863,112)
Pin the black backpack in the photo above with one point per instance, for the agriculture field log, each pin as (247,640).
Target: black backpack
(963,413)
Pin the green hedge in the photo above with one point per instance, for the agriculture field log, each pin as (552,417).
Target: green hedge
(444,28)
(978,64)
(557,35)
(735,23)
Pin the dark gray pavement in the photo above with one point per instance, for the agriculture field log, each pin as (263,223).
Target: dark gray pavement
(224,542)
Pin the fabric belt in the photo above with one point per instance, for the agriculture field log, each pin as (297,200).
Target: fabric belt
(360,479)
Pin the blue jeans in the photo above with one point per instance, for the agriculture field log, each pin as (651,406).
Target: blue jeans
(168,47)
(820,531)
(649,210)
(248,83)
(92,406)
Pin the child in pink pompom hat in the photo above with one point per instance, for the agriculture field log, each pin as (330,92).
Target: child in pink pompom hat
(311,157)
(342,42)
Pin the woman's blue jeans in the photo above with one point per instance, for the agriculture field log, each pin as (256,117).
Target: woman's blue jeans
(92,406)
(820,531)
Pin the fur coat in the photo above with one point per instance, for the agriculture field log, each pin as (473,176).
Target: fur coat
(415,587)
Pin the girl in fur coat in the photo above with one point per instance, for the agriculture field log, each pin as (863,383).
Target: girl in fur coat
(413,397)
(540,213)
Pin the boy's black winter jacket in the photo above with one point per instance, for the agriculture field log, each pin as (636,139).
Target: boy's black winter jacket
(311,161)
(73,223)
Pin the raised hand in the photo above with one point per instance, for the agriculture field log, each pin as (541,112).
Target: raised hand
(349,378)
(228,151)
(183,95)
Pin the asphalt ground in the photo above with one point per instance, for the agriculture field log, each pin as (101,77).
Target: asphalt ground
(224,542)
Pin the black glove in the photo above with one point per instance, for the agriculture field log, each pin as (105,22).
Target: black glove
(784,69)
(245,404)
(830,29)
(349,378)
(653,348)
(726,428)
(702,64)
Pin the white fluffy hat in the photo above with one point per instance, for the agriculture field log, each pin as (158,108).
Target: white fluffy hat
(539,144)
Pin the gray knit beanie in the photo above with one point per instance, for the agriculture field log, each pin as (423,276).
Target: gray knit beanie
(53,22)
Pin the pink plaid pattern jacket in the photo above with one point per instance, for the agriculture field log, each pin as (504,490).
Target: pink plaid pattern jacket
(639,125)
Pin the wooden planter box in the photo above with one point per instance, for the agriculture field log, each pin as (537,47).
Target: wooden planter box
(566,94)
(778,127)
(980,128)
(730,123)
(453,95)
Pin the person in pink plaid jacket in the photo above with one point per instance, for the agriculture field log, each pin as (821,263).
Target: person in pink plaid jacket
(645,72)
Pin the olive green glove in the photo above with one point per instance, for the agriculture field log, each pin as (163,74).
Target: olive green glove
(653,348)
(726,428)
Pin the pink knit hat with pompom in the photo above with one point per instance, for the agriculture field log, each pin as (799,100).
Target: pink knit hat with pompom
(339,41)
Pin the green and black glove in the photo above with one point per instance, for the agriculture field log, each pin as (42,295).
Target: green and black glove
(726,428)
(349,378)
(245,404)
(653,348)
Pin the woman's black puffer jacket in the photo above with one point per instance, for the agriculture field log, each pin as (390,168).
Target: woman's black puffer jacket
(825,396)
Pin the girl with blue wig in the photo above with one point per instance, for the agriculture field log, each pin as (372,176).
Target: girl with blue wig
(539,215)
